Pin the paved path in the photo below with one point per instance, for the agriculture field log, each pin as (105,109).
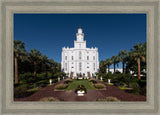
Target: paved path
(92,95)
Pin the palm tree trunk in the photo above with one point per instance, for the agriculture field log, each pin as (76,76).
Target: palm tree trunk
(123,66)
(35,67)
(108,68)
(139,74)
(114,67)
(16,70)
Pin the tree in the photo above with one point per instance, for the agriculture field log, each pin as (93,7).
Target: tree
(34,56)
(139,53)
(122,57)
(115,61)
(102,66)
(19,51)
(44,60)
(108,63)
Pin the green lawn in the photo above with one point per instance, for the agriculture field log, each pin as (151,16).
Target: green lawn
(74,84)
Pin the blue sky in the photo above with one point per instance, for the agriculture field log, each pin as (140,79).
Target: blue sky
(111,33)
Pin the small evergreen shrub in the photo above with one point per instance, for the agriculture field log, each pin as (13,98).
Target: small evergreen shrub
(93,81)
(27,77)
(33,90)
(20,91)
(99,86)
(61,86)
(68,81)
(49,99)
(109,99)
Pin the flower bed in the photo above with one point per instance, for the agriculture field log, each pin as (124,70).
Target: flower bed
(81,88)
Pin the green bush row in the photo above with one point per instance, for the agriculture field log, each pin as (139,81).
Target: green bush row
(61,86)
(99,86)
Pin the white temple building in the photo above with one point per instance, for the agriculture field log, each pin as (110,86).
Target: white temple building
(79,60)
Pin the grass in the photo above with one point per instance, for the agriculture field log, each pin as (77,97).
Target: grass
(73,85)
(33,90)
(110,83)
(123,88)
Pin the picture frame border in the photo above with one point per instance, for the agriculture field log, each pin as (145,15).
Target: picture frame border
(9,7)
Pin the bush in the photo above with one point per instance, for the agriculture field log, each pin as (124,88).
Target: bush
(42,83)
(99,86)
(41,76)
(49,99)
(27,77)
(133,85)
(122,79)
(33,90)
(143,91)
(61,86)
(67,81)
(20,91)
(93,81)
(109,99)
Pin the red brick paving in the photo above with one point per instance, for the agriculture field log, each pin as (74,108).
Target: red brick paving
(92,95)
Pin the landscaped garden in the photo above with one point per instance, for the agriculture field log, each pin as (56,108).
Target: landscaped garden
(75,83)
(34,72)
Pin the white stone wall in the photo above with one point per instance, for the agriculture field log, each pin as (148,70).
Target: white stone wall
(73,64)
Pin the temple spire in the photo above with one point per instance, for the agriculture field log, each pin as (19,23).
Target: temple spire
(80,34)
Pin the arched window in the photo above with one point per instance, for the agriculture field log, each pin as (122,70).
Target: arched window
(94,67)
(80,66)
(65,66)
(93,57)
(80,55)
(87,57)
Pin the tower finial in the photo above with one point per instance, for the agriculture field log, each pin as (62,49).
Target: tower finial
(79,25)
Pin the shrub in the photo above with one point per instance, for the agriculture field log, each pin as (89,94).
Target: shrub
(109,99)
(27,77)
(33,90)
(41,76)
(133,85)
(42,83)
(93,81)
(99,86)
(20,91)
(49,99)
(67,81)
(61,86)
(143,91)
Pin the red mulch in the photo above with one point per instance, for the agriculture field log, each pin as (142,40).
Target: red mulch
(92,95)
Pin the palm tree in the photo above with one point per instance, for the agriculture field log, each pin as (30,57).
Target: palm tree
(34,56)
(19,51)
(115,61)
(139,53)
(44,60)
(102,66)
(122,57)
(108,63)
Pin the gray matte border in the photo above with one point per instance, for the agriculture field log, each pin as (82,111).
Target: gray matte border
(150,7)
